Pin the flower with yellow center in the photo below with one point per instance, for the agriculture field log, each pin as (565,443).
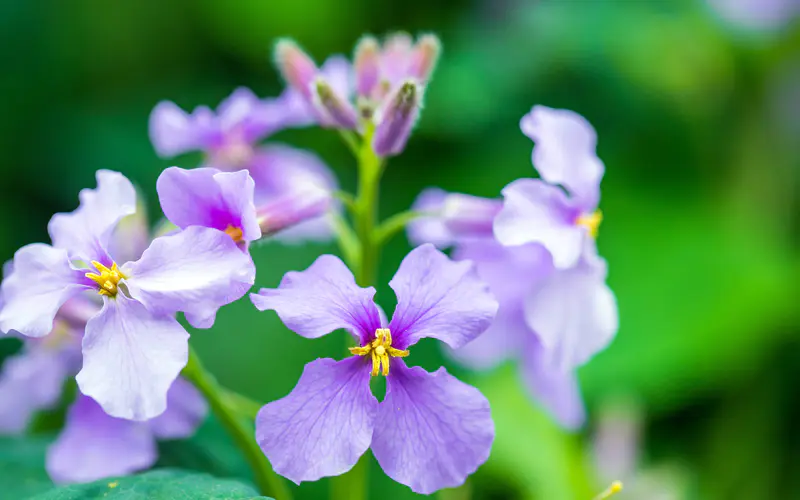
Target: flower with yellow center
(591,222)
(107,280)
(380,349)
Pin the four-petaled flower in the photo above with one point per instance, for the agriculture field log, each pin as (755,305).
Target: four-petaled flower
(431,430)
(133,348)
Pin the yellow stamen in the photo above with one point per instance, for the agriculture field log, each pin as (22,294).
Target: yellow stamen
(107,280)
(591,222)
(612,490)
(381,350)
(235,233)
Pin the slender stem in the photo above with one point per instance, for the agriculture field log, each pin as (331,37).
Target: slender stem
(347,240)
(268,482)
(394,225)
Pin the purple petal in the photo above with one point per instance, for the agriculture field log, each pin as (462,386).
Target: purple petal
(536,212)
(430,228)
(556,390)
(396,58)
(238,111)
(433,430)
(131,358)
(574,313)
(367,66)
(174,132)
(439,298)
(279,170)
(197,271)
(296,67)
(43,279)
(130,238)
(94,445)
(454,218)
(85,232)
(186,410)
(209,198)
(32,381)
(324,425)
(565,152)
(396,119)
(338,72)
(321,299)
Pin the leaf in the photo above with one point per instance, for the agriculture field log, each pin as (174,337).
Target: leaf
(22,467)
(166,484)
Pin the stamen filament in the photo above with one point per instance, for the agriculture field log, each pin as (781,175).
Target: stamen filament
(380,349)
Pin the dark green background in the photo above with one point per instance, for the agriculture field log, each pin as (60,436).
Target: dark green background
(698,125)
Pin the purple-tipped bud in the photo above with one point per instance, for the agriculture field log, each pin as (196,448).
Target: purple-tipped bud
(336,111)
(397,119)
(291,209)
(367,66)
(425,55)
(297,68)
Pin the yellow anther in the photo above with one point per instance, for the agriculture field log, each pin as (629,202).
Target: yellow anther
(615,488)
(591,222)
(107,280)
(235,233)
(381,350)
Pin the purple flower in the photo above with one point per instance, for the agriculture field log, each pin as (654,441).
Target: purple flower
(229,135)
(452,217)
(133,348)
(431,430)
(94,445)
(383,87)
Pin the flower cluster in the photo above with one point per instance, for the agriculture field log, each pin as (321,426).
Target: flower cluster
(100,303)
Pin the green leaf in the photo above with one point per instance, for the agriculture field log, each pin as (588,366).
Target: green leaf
(22,471)
(167,484)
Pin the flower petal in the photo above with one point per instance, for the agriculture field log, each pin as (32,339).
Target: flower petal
(430,228)
(439,298)
(574,313)
(130,238)
(324,425)
(433,430)
(197,271)
(42,280)
(321,299)
(85,232)
(186,410)
(536,212)
(209,198)
(174,132)
(131,358)
(565,152)
(555,389)
(94,445)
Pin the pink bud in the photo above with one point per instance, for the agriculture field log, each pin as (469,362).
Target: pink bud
(424,58)
(297,68)
(293,208)
(367,66)
(336,111)
(396,119)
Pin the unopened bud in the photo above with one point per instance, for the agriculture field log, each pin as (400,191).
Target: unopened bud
(293,208)
(336,111)
(425,55)
(367,66)
(397,119)
(297,68)
(447,218)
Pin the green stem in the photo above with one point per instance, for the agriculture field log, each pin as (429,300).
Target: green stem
(394,225)
(266,479)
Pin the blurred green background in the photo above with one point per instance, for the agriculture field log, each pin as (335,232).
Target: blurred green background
(698,118)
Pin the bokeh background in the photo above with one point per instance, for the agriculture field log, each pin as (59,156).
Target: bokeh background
(697,108)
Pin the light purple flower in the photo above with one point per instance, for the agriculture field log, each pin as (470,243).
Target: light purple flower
(431,431)
(133,348)
(452,217)
(230,134)
(94,445)
(383,88)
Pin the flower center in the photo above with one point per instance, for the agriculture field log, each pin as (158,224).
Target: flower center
(380,349)
(107,280)
(590,221)
(235,233)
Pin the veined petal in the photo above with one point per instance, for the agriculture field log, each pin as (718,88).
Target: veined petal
(536,212)
(130,238)
(321,299)
(131,357)
(197,271)
(186,410)
(94,445)
(439,298)
(174,132)
(432,430)
(565,152)
(209,198)
(574,313)
(84,233)
(324,425)
(42,280)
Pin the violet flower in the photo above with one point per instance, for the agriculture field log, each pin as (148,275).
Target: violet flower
(431,430)
(383,88)
(133,348)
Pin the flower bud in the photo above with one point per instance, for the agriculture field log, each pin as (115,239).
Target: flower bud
(367,66)
(452,217)
(297,68)
(293,208)
(336,111)
(397,119)
(424,57)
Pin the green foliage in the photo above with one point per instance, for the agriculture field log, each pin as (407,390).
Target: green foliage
(157,485)
(22,471)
